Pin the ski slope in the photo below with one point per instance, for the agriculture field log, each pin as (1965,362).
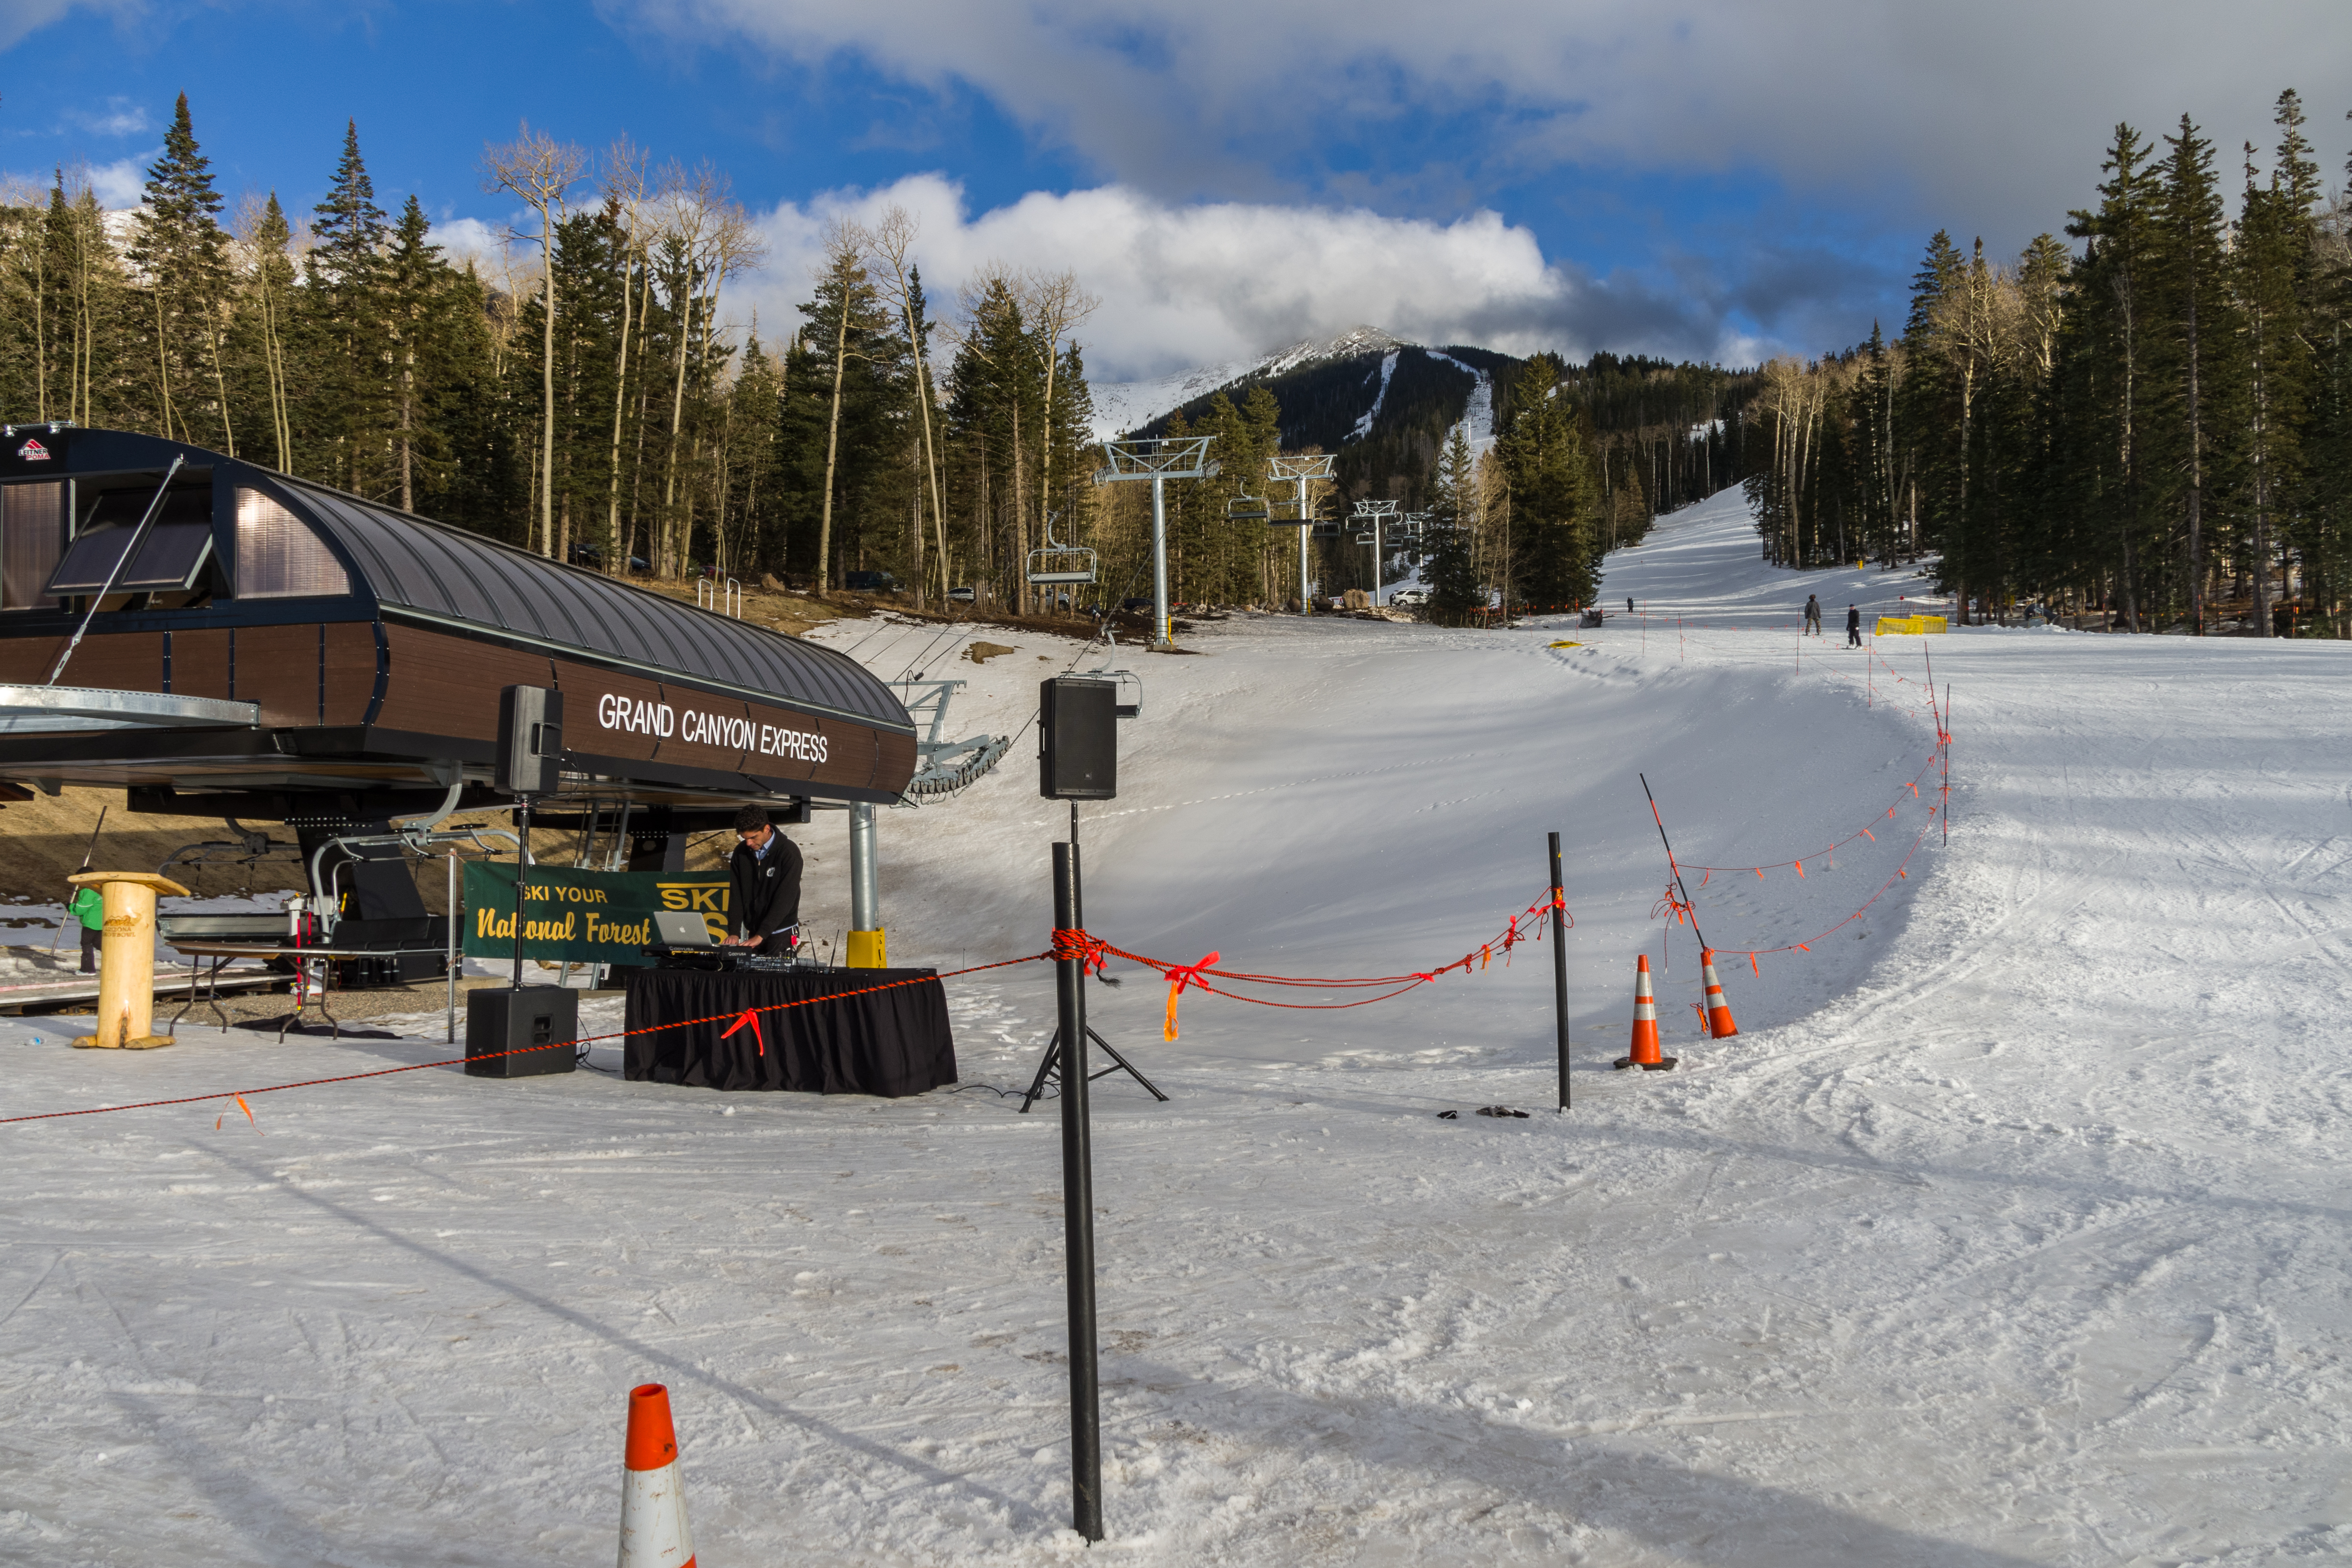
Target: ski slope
(2009,1230)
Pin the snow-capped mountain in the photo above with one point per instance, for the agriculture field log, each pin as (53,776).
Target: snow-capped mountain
(1124,405)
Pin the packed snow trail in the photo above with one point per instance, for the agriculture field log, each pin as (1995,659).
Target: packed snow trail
(2009,1230)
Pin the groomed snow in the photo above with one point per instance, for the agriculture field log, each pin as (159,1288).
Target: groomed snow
(2010,1230)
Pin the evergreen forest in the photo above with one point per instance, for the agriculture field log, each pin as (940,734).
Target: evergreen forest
(583,395)
(2150,430)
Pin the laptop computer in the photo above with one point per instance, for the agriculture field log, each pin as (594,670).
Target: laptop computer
(683,928)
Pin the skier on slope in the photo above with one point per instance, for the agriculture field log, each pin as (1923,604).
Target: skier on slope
(1812,615)
(1853,626)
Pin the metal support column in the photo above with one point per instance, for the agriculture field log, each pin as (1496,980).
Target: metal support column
(1160,633)
(867,944)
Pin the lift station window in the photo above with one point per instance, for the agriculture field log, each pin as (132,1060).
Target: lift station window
(32,535)
(172,555)
(278,555)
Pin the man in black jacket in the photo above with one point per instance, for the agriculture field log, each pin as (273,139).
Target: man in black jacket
(1853,625)
(763,900)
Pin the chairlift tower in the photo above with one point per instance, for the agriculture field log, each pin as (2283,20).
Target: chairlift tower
(1159,460)
(1302,471)
(1376,515)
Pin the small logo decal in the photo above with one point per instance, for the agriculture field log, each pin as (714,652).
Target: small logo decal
(33,452)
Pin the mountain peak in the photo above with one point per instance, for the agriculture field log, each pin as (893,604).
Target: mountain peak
(1121,406)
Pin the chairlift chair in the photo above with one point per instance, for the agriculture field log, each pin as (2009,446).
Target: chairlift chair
(1053,563)
(1246,509)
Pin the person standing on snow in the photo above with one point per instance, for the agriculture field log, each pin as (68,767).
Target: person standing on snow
(88,907)
(1629,607)
(1853,626)
(1812,615)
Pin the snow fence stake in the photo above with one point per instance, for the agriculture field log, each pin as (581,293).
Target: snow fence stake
(1560,970)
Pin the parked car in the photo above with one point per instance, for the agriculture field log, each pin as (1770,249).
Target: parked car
(962,596)
(1409,598)
(1135,605)
(869,582)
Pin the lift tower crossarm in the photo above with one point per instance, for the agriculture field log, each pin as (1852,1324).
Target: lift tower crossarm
(1157,460)
(1302,468)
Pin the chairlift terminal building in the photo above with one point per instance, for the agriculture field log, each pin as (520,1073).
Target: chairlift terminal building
(279,651)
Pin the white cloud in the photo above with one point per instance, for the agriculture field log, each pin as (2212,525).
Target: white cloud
(19,19)
(122,184)
(120,117)
(1186,285)
(464,239)
(1988,115)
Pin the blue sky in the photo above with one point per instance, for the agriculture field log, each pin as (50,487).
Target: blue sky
(1713,178)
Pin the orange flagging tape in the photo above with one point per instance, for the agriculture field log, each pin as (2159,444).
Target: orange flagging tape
(1089,950)
(520,1051)
(1935,756)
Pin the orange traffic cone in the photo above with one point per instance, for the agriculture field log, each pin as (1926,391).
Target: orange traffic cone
(653,1495)
(1644,1054)
(1718,1011)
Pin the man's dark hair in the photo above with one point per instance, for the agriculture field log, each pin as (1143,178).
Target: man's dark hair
(751,818)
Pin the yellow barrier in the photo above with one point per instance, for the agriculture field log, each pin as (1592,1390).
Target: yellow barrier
(1910,626)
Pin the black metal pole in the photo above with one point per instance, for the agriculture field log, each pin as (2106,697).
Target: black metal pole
(1077,1213)
(1670,861)
(522,879)
(1560,969)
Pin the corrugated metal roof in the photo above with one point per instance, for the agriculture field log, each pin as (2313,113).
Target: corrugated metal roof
(446,572)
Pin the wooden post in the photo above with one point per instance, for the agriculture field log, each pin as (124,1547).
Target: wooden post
(126,957)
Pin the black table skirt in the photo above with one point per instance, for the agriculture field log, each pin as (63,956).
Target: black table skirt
(889,1043)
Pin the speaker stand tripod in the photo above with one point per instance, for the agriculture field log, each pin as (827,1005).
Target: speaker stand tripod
(1051,1067)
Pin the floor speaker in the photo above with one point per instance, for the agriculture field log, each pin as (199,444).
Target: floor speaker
(503,1025)
(1077,739)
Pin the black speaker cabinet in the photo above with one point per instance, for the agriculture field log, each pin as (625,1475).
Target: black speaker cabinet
(500,1020)
(531,740)
(1077,739)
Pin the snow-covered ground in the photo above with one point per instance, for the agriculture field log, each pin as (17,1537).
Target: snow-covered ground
(2010,1231)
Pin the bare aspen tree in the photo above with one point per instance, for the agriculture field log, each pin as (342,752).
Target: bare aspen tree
(690,219)
(845,250)
(1054,305)
(624,184)
(262,233)
(539,171)
(736,247)
(892,241)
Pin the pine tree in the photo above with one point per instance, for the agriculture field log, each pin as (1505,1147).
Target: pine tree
(1555,494)
(1453,577)
(413,286)
(181,257)
(2114,287)
(2197,343)
(344,397)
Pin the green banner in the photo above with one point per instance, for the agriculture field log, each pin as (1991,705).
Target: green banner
(583,916)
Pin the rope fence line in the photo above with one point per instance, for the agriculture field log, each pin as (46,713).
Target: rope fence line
(735,1016)
(1676,910)
(1066,945)
(1094,953)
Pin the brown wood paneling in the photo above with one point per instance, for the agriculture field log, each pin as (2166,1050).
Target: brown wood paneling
(441,684)
(24,661)
(200,663)
(277,667)
(350,670)
(115,661)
